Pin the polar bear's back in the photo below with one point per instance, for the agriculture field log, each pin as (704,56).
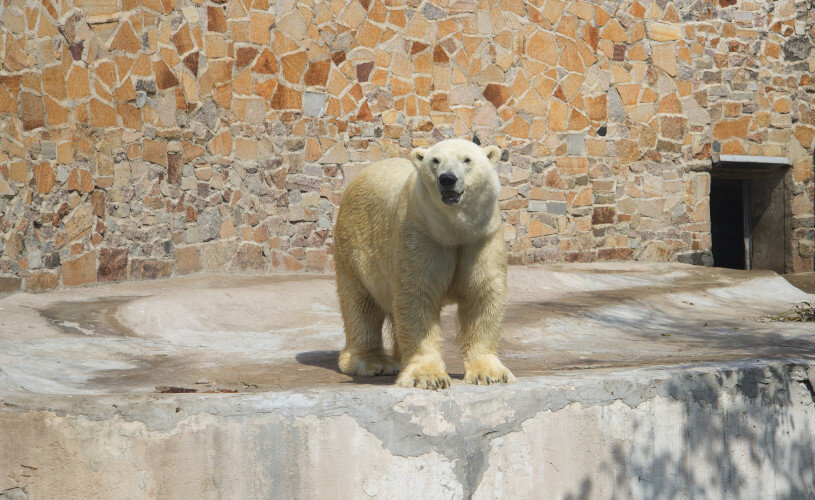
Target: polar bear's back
(366,233)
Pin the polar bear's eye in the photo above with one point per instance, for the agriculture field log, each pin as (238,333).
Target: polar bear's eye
(467,160)
(436,161)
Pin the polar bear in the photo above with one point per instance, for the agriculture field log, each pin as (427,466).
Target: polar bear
(412,236)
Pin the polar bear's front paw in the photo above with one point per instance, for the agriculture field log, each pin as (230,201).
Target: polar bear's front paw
(424,376)
(367,364)
(487,370)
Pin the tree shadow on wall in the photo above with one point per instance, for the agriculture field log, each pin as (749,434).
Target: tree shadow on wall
(738,432)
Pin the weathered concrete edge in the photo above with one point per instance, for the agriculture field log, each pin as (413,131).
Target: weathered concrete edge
(459,424)
(699,382)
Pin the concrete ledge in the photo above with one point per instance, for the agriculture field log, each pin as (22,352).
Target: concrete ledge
(741,429)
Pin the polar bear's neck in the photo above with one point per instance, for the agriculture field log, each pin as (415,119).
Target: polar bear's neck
(475,218)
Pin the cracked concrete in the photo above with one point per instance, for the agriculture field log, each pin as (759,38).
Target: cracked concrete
(634,380)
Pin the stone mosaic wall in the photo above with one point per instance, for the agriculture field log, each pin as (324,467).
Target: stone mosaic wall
(147,138)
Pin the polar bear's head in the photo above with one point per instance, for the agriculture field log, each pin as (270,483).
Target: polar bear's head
(459,173)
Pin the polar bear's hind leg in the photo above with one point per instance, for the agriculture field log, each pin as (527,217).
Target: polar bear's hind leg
(363,354)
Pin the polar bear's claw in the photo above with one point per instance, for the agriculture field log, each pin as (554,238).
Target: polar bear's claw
(488,371)
(434,379)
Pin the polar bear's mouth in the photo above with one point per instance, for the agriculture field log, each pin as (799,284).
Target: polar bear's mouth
(450,197)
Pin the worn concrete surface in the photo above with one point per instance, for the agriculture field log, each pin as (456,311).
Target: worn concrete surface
(651,380)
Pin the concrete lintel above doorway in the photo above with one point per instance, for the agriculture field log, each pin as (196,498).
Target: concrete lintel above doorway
(766,160)
(747,166)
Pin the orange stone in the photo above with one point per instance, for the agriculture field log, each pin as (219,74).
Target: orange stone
(628,150)
(266,63)
(732,147)
(732,108)
(80,180)
(165,78)
(266,89)
(80,271)
(18,172)
(216,21)
(591,35)
(244,56)
(182,40)
(664,57)
(629,93)
(364,113)
(558,115)
(614,32)
(537,229)
(53,81)
(31,111)
(368,35)
(637,53)
(669,104)
(187,260)
(41,281)
(570,58)
(572,165)
(732,128)
(552,10)
(259,27)
(577,120)
(496,94)
(191,151)
(220,71)
(804,134)
(125,40)
(125,91)
(317,73)
(648,95)
(596,107)
(57,115)
(293,65)
(518,127)
(542,47)
(154,151)
(221,144)
(286,98)
(44,177)
(439,55)
(8,103)
(191,62)
(782,105)
(131,116)
(637,10)
(101,114)
(106,72)
(223,96)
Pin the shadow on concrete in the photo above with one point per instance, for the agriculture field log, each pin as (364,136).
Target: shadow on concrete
(329,360)
(803,281)
(733,435)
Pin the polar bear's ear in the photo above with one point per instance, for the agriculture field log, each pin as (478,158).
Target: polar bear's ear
(493,154)
(417,156)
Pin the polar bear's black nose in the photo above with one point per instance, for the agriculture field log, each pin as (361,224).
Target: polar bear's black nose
(447,180)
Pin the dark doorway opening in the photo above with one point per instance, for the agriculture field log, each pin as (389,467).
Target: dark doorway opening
(749,215)
(727,222)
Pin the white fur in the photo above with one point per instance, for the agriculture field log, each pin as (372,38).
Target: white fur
(401,252)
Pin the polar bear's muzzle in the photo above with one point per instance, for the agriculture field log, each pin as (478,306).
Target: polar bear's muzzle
(447,188)
(450,197)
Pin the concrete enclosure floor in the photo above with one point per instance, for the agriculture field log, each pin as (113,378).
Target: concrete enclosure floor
(96,391)
(254,334)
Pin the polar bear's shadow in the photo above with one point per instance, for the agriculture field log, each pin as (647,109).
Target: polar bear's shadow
(329,361)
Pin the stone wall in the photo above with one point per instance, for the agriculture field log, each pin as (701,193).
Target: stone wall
(143,139)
